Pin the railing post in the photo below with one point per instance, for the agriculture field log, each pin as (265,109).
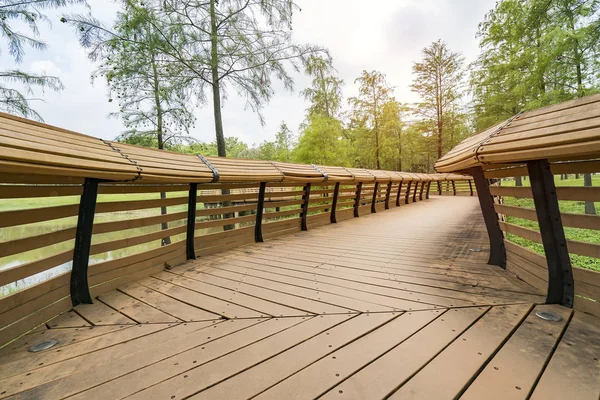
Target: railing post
(388,193)
(407,194)
(486,201)
(336,193)
(80,291)
(260,206)
(374,200)
(453,187)
(560,273)
(399,194)
(306,200)
(357,199)
(439,185)
(471,187)
(421,191)
(414,197)
(428,189)
(191,222)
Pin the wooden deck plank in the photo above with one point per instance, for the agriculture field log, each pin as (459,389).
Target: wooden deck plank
(208,303)
(346,361)
(169,305)
(99,313)
(514,371)
(453,369)
(55,364)
(321,284)
(69,319)
(287,299)
(387,373)
(255,380)
(135,309)
(196,379)
(267,307)
(105,376)
(574,369)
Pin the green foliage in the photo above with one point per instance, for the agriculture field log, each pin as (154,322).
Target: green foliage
(367,114)
(439,83)
(30,14)
(535,53)
(322,142)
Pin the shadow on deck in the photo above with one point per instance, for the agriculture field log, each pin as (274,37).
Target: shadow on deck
(394,305)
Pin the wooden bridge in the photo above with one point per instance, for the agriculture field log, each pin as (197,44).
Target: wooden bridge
(337,283)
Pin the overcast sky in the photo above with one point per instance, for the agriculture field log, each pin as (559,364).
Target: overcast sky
(383,35)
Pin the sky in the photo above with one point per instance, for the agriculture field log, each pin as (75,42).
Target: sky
(383,35)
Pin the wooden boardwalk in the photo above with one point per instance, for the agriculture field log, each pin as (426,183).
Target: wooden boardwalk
(396,305)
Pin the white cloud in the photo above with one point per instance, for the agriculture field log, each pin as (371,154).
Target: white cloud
(386,35)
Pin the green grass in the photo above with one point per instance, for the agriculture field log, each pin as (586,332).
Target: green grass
(573,207)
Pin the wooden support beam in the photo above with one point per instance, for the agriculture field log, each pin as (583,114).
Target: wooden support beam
(305,201)
(560,273)
(407,195)
(191,222)
(374,199)
(80,291)
(471,187)
(388,193)
(439,185)
(260,207)
(336,193)
(454,188)
(428,190)
(486,201)
(357,199)
(421,191)
(414,197)
(399,194)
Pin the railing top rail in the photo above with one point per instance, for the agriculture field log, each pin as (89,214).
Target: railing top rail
(565,131)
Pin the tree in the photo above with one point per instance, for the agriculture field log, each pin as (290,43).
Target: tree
(284,143)
(325,94)
(322,142)
(154,100)
(29,13)
(240,44)
(367,108)
(438,81)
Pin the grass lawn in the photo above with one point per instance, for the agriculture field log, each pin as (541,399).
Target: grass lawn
(573,207)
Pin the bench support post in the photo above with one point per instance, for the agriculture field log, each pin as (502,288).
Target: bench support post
(336,193)
(486,201)
(439,185)
(407,194)
(357,199)
(453,187)
(374,200)
(80,291)
(191,222)
(421,191)
(399,194)
(415,192)
(388,193)
(471,187)
(260,206)
(306,200)
(560,273)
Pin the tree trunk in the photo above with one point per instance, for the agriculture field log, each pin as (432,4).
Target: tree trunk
(161,145)
(216,89)
(590,207)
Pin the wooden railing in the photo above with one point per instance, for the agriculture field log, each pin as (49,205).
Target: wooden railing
(540,230)
(76,221)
